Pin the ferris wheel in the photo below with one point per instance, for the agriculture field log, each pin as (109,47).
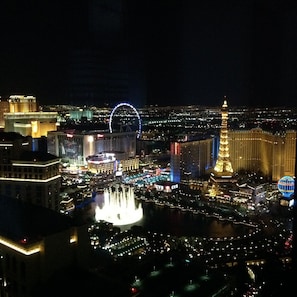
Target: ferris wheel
(125,118)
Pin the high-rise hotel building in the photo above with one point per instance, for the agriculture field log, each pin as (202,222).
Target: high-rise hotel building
(257,150)
(16,104)
(19,113)
(82,148)
(27,175)
(191,159)
(22,103)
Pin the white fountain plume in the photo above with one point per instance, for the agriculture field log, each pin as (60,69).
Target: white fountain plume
(117,205)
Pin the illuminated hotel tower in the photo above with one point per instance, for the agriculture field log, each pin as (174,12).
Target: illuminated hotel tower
(223,167)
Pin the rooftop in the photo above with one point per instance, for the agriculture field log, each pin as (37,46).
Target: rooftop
(20,221)
(38,156)
(10,136)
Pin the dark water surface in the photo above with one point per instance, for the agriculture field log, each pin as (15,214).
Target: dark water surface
(175,222)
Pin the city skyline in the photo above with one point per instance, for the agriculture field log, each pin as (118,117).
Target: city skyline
(57,177)
(164,53)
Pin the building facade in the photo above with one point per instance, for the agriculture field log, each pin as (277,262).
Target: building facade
(41,244)
(28,175)
(77,147)
(35,124)
(273,155)
(22,103)
(4,108)
(20,114)
(190,159)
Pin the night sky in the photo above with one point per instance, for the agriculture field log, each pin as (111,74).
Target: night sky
(164,52)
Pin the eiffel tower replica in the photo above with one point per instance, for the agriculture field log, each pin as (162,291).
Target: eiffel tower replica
(223,171)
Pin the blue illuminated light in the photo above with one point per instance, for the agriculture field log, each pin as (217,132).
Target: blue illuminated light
(286,186)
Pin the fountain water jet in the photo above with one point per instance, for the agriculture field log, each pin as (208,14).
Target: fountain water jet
(117,205)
